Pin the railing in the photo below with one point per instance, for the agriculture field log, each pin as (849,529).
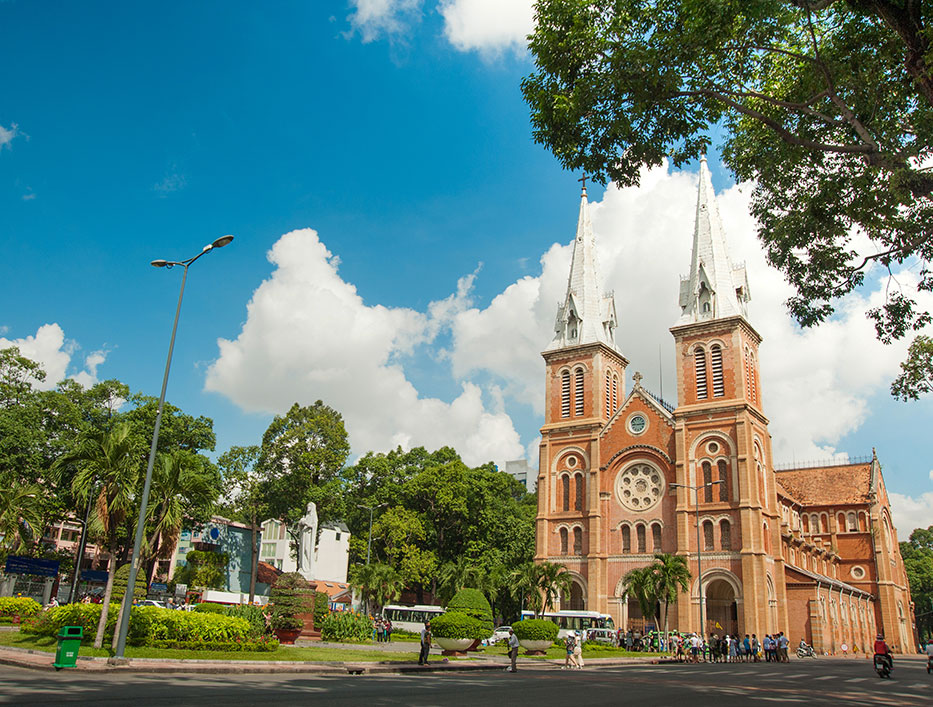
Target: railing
(845,460)
(663,403)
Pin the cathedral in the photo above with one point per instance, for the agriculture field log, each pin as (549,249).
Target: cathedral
(623,475)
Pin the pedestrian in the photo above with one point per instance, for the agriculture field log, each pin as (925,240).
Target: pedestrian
(578,652)
(766,646)
(568,646)
(733,649)
(513,650)
(388,630)
(426,643)
(782,644)
(755,648)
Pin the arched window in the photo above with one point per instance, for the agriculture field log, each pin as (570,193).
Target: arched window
(656,537)
(563,541)
(725,535)
(862,524)
(565,491)
(608,394)
(853,522)
(640,534)
(578,541)
(767,538)
(840,523)
(824,522)
(724,478)
(806,524)
(615,392)
(578,499)
(707,480)
(707,535)
(700,360)
(719,389)
(578,392)
(565,394)
(626,539)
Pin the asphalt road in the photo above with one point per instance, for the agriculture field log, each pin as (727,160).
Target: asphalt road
(814,682)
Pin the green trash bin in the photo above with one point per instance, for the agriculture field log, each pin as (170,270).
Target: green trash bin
(69,641)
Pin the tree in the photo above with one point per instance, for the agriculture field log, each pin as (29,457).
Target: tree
(454,576)
(300,461)
(639,583)
(525,589)
(917,553)
(671,576)
(107,473)
(377,583)
(553,580)
(242,490)
(916,376)
(20,516)
(826,106)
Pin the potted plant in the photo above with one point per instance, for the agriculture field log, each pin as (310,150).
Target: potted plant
(456,632)
(472,603)
(291,596)
(535,635)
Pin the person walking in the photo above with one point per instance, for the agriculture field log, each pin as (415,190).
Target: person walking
(513,650)
(755,648)
(568,645)
(425,643)
(783,643)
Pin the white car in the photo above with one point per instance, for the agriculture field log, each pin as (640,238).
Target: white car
(500,634)
(601,635)
(153,602)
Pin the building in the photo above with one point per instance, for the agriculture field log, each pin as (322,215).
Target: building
(616,471)
(524,474)
(331,551)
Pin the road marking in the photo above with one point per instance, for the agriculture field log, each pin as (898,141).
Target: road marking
(825,677)
(856,679)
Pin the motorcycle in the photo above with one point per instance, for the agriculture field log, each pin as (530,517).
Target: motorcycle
(929,664)
(883,665)
(805,652)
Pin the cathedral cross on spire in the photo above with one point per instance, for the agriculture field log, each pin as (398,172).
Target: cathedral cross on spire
(637,378)
(583,180)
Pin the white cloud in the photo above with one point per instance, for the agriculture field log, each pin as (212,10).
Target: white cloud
(377,18)
(7,135)
(488,26)
(49,348)
(172,182)
(910,513)
(309,336)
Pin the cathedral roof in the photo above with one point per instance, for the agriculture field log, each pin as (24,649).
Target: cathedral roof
(715,287)
(829,485)
(587,315)
(822,579)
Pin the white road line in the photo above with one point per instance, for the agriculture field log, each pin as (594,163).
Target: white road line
(856,679)
(825,677)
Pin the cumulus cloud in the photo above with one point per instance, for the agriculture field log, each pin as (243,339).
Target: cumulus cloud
(7,135)
(373,19)
(910,513)
(172,182)
(309,335)
(837,367)
(49,348)
(488,26)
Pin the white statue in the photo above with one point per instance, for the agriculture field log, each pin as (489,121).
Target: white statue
(307,528)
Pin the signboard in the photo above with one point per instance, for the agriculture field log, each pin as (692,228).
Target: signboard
(16,564)
(158,588)
(94,576)
(181,590)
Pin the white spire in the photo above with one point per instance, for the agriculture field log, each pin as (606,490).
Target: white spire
(715,288)
(586,315)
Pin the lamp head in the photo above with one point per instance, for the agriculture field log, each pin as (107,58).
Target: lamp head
(159,263)
(222,241)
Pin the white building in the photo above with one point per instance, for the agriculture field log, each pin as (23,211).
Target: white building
(521,472)
(331,552)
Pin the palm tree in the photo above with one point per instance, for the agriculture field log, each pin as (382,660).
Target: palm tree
(107,473)
(20,515)
(378,584)
(178,484)
(454,576)
(640,583)
(553,580)
(525,588)
(671,576)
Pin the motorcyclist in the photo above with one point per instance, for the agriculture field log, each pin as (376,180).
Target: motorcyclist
(881,649)
(928,649)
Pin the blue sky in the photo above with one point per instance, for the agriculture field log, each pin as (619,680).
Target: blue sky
(427,240)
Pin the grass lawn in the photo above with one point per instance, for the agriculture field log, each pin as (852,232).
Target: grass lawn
(18,640)
(558,652)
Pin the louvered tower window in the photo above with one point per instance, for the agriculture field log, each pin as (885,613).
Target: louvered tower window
(719,389)
(707,482)
(724,477)
(751,365)
(615,393)
(565,394)
(700,358)
(748,373)
(578,392)
(608,394)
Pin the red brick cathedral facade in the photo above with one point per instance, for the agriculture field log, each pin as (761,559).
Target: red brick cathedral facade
(811,552)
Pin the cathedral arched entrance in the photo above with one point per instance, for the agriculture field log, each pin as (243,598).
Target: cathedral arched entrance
(722,612)
(574,599)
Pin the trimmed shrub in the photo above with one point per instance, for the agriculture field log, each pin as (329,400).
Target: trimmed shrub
(321,608)
(210,608)
(251,613)
(168,625)
(120,580)
(472,603)
(535,630)
(50,621)
(347,626)
(455,624)
(258,645)
(18,606)
(291,595)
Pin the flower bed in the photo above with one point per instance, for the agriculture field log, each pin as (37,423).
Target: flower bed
(24,607)
(347,626)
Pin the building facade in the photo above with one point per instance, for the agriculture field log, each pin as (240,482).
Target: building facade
(625,475)
(331,551)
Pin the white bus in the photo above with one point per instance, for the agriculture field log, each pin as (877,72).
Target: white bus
(568,621)
(410,618)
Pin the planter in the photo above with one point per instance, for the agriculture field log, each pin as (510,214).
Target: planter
(287,636)
(454,646)
(535,647)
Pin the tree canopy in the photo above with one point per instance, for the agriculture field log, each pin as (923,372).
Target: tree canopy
(918,563)
(825,107)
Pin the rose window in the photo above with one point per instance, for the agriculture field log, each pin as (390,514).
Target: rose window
(640,487)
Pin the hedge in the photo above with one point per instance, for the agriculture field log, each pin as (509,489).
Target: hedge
(210,608)
(535,630)
(472,603)
(121,579)
(18,606)
(455,624)
(346,626)
(252,614)
(259,645)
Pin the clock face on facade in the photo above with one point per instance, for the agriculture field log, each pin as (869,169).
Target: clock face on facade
(640,487)
(637,424)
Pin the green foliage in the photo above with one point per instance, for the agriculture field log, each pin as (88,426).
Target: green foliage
(18,606)
(378,583)
(321,607)
(917,553)
(535,630)
(456,624)
(250,613)
(210,608)
(291,595)
(539,584)
(347,626)
(262,644)
(120,580)
(916,377)
(472,603)
(203,568)
(827,111)
(656,586)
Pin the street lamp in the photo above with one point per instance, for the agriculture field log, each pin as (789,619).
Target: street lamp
(369,545)
(696,500)
(141,522)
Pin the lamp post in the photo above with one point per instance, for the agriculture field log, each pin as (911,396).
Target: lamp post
(696,501)
(369,545)
(141,522)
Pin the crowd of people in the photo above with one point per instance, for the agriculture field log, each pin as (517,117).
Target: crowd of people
(382,630)
(731,649)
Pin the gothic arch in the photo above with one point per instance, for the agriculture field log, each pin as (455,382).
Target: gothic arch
(713,574)
(564,453)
